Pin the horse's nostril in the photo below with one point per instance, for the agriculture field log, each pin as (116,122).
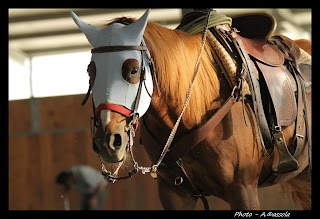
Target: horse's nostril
(117,140)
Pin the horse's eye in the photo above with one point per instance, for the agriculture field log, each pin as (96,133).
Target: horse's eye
(134,71)
(131,71)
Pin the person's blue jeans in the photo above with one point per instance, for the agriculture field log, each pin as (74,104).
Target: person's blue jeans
(84,203)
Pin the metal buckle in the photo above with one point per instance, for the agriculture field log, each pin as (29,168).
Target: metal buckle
(297,136)
(178,180)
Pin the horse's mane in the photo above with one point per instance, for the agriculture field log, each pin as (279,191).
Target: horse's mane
(175,55)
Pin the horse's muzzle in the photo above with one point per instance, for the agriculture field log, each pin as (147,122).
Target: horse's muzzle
(111,148)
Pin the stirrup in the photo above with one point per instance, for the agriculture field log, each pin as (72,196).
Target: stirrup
(287,162)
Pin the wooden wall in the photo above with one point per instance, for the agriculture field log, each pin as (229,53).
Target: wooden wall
(47,135)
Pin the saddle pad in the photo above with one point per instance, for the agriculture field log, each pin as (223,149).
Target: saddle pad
(281,92)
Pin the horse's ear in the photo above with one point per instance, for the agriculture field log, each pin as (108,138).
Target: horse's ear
(137,28)
(89,31)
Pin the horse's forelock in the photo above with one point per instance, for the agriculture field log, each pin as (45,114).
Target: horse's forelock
(121,20)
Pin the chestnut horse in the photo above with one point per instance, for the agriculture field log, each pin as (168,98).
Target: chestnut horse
(169,84)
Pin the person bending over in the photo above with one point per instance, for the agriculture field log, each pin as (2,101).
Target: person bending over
(88,181)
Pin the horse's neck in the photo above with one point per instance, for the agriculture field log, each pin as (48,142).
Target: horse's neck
(158,122)
(162,117)
(175,64)
(163,113)
(209,91)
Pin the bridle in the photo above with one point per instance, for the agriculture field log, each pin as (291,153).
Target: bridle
(115,107)
(132,116)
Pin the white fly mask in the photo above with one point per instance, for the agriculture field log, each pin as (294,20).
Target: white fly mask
(113,47)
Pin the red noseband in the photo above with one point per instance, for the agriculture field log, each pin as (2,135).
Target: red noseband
(113,107)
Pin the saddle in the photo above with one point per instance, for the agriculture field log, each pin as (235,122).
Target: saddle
(274,56)
(281,94)
(279,86)
(277,90)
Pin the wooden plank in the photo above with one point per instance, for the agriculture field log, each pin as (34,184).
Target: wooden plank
(17,175)
(34,157)
(64,112)
(19,116)
(24,174)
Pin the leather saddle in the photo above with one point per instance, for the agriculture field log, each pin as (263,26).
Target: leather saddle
(273,56)
(281,93)
(280,89)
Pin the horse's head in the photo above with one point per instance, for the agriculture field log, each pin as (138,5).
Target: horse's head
(120,81)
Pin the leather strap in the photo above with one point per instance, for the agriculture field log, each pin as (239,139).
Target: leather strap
(103,49)
(302,107)
(195,189)
(233,44)
(254,85)
(87,96)
(113,107)
(299,138)
(184,145)
(180,148)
